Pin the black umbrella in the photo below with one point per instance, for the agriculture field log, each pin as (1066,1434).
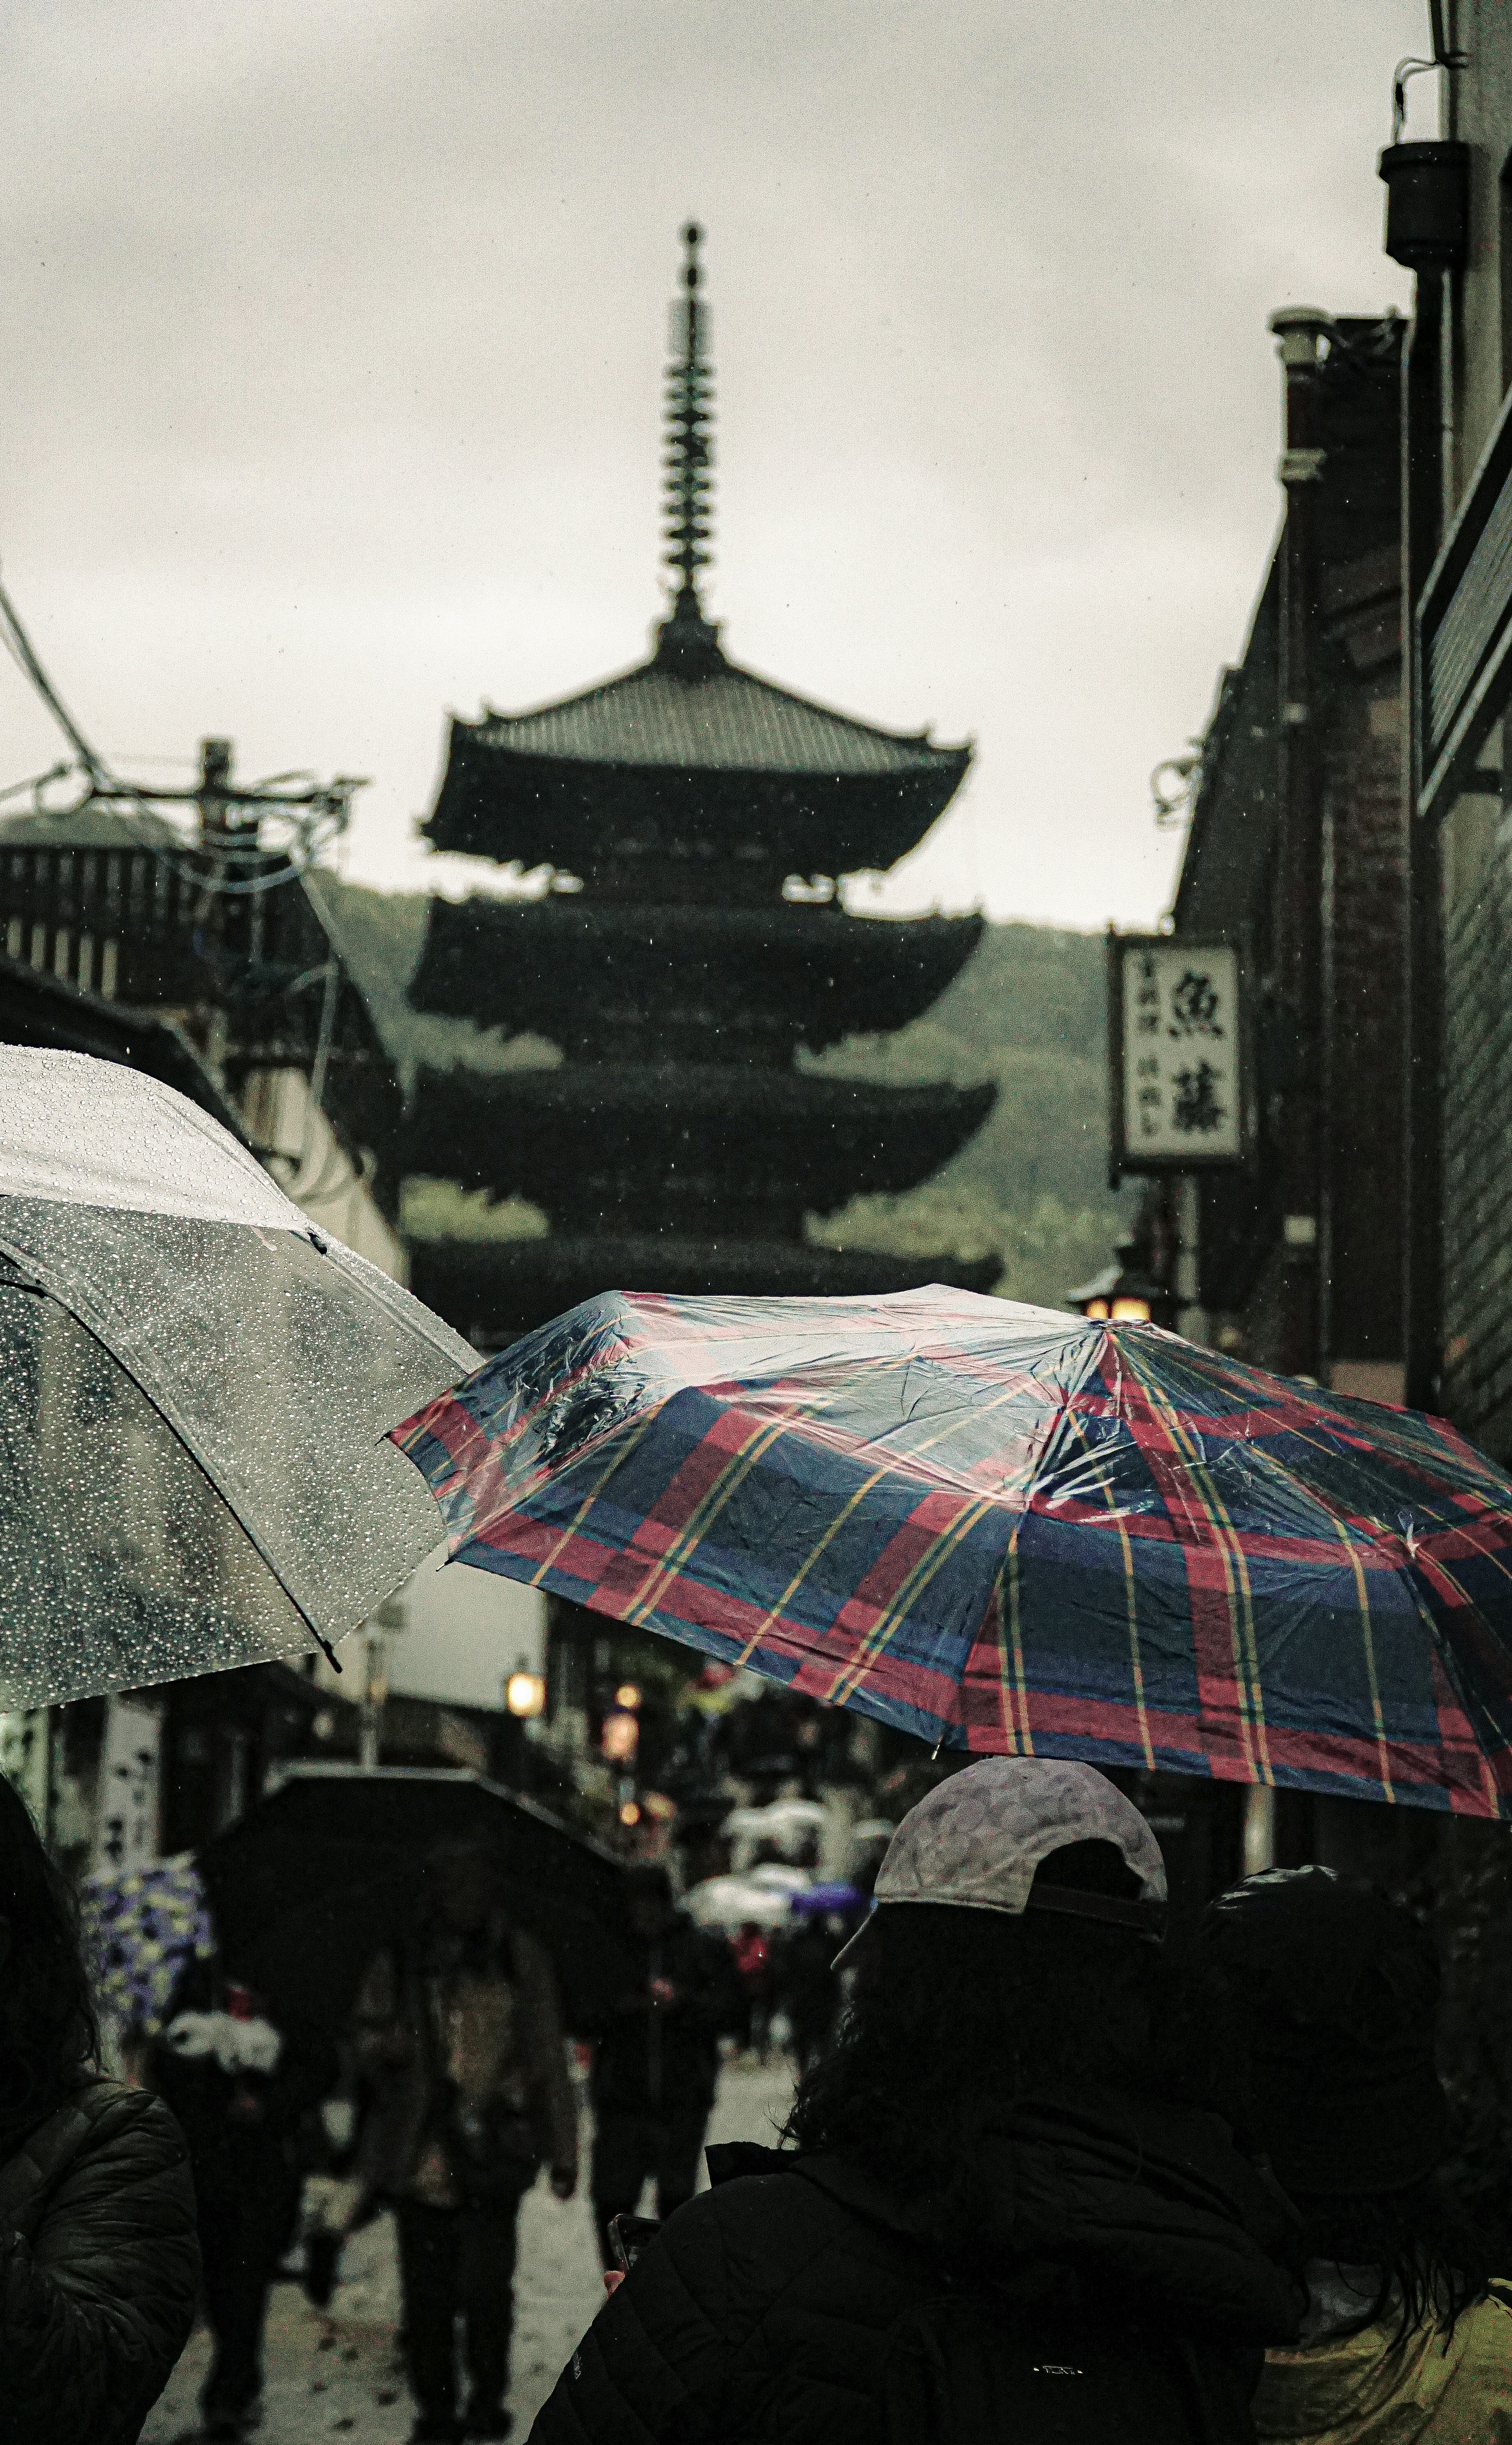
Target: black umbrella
(307,1885)
(194,1386)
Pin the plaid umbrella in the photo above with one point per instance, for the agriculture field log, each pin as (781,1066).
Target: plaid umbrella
(1009,1531)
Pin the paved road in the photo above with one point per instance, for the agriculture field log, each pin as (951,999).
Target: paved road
(338,2374)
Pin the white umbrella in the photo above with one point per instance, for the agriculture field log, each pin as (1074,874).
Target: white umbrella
(729,1902)
(195,1388)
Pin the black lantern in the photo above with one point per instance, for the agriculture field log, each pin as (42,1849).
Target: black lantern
(1428,205)
(1124,1293)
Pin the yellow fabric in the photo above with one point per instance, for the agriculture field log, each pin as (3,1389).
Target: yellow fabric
(1364,2389)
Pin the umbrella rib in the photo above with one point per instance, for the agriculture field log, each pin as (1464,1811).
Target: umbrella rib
(1136,1664)
(1368,1642)
(1236,1573)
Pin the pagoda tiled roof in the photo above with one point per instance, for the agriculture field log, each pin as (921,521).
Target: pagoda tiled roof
(653,1137)
(566,967)
(686,753)
(730,720)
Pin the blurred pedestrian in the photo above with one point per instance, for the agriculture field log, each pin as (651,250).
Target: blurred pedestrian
(657,2061)
(457,2037)
(986,2223)
(809,1985)
(1310,2009)
(241,2088)
(99,2267)
(752,1951)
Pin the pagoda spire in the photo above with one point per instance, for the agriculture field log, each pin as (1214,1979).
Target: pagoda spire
(687,644)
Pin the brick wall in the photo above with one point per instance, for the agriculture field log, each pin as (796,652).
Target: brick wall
(1365,930)
(1478,1124)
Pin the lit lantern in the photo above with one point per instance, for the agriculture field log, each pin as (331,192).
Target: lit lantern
(621,1736)
(524,1694)
(1125,1294)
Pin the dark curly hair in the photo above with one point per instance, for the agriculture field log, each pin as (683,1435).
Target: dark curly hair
(48,2039)
(1304,2014)
(956,2013)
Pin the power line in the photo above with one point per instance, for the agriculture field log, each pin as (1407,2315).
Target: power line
(317,814)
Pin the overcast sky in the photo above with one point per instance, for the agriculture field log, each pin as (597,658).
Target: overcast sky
(333,333)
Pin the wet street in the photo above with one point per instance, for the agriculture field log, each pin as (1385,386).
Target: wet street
(338,2374)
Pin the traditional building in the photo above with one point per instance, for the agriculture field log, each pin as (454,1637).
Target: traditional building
(139,926)
(1303,870)
(691,822)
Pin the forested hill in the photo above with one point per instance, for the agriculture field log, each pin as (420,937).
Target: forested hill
(1027,1012)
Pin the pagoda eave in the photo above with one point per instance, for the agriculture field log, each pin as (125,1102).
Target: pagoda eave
(493,1291)
(569,968)
(609,1137)
(577,812)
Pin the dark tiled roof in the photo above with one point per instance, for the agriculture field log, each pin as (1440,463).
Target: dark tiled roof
(568,966)
(727,722)
(740,1139)
(40,1010)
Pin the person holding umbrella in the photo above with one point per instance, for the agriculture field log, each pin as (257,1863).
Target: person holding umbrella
(457,2042)
(656,2064)
(99,2266)
(986,2220)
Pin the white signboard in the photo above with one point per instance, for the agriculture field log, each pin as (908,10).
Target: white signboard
(26,1757)
(1181,1044)
(126,1805)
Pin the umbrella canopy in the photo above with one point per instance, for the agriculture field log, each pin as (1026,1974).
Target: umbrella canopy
(728,1903)
(821,1901)
(193,1390)
(306,1885)
(141,1931)
(1009,1530)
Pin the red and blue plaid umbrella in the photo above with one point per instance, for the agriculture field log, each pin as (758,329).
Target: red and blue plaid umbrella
(1009,1531)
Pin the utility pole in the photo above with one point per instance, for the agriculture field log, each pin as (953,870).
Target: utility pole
(1298,950)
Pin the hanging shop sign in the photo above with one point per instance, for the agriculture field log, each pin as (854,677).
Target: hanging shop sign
(1464,659)
(1179,1094)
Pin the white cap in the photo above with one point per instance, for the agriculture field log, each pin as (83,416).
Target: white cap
(977,1840)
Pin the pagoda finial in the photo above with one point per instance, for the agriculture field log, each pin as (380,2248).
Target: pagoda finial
(688,642)
(689,420)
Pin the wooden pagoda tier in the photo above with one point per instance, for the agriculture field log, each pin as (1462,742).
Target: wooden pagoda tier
(703,1152)
(638,982)
(689,778)
(494,1289)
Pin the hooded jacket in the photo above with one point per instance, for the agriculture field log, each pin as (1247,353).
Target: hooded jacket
(782,2303)
(1367,2388)
(99,2270)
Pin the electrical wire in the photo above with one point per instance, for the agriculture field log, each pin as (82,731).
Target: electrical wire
(316,820)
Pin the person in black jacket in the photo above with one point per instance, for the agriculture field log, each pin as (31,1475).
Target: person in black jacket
(656,2064)
(986,2223)
(240,2086)
(99,2265)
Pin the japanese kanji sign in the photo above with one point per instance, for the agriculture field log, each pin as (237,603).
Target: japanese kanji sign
(1178,1045)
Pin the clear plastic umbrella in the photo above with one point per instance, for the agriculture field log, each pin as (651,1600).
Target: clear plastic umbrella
(194,1386)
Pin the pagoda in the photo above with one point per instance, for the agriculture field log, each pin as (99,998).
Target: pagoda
(693,821)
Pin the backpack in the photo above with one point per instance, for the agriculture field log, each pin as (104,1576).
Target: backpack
(968,2368)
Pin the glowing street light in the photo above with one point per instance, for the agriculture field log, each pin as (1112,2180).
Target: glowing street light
(524,1694)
